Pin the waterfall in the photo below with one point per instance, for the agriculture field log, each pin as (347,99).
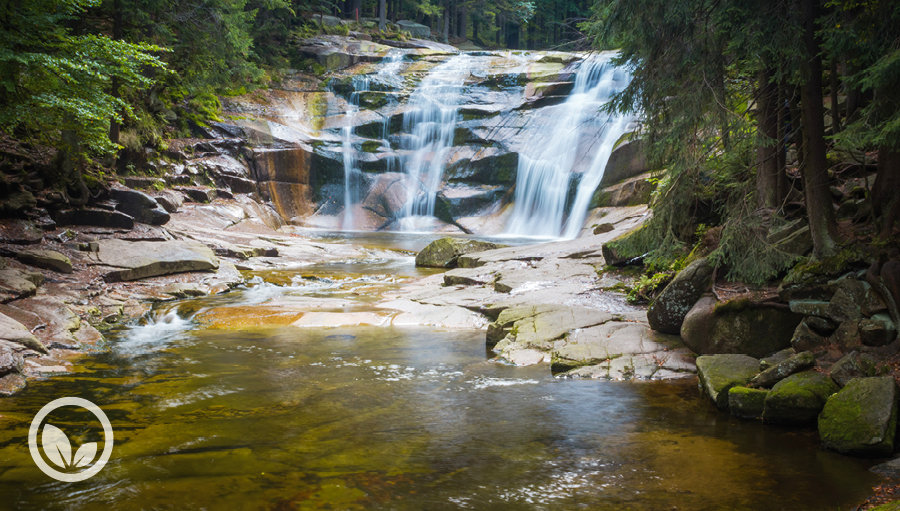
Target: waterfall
(430,124)
(387,77)
(545,171)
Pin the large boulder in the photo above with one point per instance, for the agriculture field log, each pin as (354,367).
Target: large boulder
(747,403)
(142,207)
(719,373)
(142,259)
(444,252)
(16,284)
(798,399)
(49,259)
(628,160)
(94,216)
(853,365)
(15,332)
(861,418)
(783,369)
(667,312)
(755,329)
(414,29)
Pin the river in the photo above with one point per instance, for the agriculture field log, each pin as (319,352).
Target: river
(217,402)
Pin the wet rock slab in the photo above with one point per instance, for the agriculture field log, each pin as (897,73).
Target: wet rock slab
(142,259)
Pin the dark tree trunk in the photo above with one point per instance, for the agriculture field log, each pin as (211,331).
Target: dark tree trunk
(769,174)
(819,208)
(886,190)
(382,14)
(461,25)
(445,33)
(835,88)
(115,85)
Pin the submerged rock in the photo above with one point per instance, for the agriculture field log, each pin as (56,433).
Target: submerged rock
(444,252)
(142,259)
(799,398)
(667,312)
(861,418)
(719,373)
(737,327)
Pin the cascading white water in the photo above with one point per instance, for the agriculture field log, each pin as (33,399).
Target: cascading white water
(430,124)
(545,170)
(386,77)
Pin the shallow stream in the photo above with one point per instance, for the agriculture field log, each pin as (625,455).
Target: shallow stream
(219,403)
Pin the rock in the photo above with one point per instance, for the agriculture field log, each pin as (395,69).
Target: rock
(805,338)
(414,29)
(444,252)
(846,336)
(630,192)
(798,242)
(719,373)
(862,418)
(627,160)
(20,232)
(615,252)
(821,326)
(746,403)
(785,368)
(798,399)
(16,284)
(878,330)
(11,384)
(49,259)
(387,194)
(818,308)
(142,207)
(667,312)
(537,325)
(11,361)
(846,304)
(94,216)
(169,200)
(737,327)
(199,194)
(13,331)
(603,228)
(142,259)
(776,358)
(853,365)
(889,469)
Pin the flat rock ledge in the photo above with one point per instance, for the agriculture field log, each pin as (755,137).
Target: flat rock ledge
(142,259)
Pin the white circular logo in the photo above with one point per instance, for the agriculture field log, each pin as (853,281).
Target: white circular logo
(58,449)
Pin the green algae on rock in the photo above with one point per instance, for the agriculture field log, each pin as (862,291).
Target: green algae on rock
(444,252)
(747,403)
(862,418)
(798,399)
(719,373)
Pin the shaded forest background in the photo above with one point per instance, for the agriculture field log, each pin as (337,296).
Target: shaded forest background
(756,113)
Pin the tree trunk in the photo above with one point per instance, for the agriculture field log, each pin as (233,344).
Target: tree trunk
(115,85)
(886,190)
(445,33)
(461,25)
(768,174)
(835,87)
(819,208)
(382,14)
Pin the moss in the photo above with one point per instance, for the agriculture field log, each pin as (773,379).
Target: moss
(739,304)
(812,270)
(371,146)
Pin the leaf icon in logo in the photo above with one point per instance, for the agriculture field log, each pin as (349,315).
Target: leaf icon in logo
(85,455)
(56,446)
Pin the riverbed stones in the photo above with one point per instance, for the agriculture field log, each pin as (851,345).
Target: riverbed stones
(746,402)
(861,419)
(141,259)
(15,284)
(15,332)
(667,312)
(444,252)
(11,361)
(49,259)
(754,329)
(537,325)
(798,399)
(719,373)
(11,384)
(853,365)
(771,376)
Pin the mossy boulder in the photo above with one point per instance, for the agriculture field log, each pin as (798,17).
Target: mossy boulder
(853,365)
(444,252)
(862,418)
(49,259)
(747,403)
(667,312)
(798,399)
(781,370)
(719,373)
(754,329)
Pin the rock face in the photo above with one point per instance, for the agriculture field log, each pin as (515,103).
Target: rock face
(142,259)
(15,332)
(719,373)
(11,360)
(444,252)
(626,161)
(667,312)
(49,259)
(798,399)
(18,284)
(861,418)
(749,328)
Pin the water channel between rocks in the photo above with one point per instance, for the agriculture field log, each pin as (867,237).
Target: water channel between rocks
(219,403)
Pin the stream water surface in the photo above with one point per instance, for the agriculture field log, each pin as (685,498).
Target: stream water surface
(219,403)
